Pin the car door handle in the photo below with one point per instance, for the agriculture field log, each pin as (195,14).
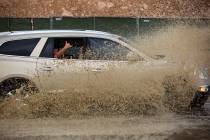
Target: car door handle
(97,70)
(47,68)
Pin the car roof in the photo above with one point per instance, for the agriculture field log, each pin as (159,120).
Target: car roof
(56,33)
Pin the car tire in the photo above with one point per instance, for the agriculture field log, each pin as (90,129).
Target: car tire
(17,87)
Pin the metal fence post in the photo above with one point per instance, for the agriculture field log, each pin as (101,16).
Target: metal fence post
(32,24)
(9,24)
(137,24)
(94,23)
(51,23)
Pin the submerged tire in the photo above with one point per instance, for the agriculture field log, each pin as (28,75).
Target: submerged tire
(17,87)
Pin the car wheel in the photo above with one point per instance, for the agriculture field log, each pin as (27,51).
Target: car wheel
(18,88)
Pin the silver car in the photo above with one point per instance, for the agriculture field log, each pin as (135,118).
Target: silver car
(27,58)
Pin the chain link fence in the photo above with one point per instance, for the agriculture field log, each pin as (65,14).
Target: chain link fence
(122,26)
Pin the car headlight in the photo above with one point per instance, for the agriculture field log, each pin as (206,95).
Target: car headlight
(203,89)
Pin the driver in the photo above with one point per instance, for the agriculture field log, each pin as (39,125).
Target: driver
(58,53)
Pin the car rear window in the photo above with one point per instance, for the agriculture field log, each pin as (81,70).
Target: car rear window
(22,47)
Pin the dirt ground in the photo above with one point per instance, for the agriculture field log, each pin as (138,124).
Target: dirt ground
(84,8)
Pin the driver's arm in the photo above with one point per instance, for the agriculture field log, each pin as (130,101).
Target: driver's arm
(61,51)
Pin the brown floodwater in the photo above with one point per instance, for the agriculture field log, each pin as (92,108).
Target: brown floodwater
(162,127)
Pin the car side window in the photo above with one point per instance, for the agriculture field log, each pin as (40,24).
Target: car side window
(104,49)
(22,47)
(55,45)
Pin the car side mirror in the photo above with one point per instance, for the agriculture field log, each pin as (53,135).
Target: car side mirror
(133,57)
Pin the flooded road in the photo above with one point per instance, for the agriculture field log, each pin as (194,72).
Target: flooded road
(166,126)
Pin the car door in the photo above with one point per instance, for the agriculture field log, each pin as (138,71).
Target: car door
(60,74)
(16,59)
(108,60)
